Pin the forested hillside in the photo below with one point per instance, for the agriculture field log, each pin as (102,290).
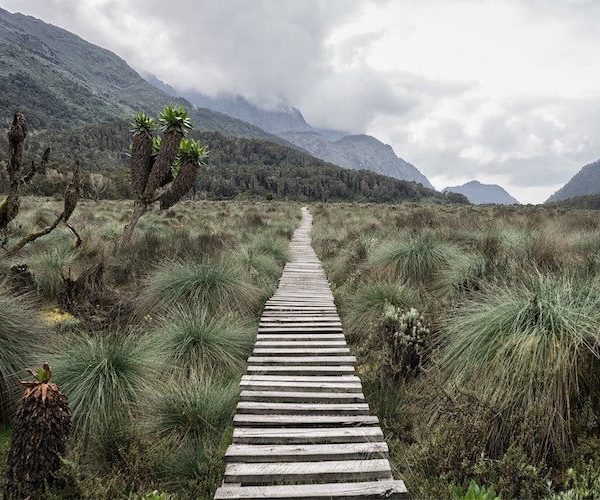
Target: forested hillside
(235,167)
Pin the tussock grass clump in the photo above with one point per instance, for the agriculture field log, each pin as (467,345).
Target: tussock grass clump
(193,341)
(215,286)
(20,337)
(415,258)
(367,307)
(192,411)
(260,266)
(49,269)
(104,376)
(273,246)
(465,275)
(523,349)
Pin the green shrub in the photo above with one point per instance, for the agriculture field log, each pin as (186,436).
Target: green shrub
(192,411)
(50,268)
(215,286)
(191,340)
(20,339)
(275,247)
(522,349)
(416,258)
(104,376)
(367,306)
(408,337)
(258,265)
(474,492)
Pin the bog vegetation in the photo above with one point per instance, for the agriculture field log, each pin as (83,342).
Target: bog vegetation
(147,343)
(477,330)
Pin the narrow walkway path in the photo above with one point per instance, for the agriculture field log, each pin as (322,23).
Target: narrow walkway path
(302,427)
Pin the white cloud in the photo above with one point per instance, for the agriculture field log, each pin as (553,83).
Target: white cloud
(504,90)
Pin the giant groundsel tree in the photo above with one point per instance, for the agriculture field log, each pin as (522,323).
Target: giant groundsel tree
(162,168)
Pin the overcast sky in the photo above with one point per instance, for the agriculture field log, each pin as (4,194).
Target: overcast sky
(503,91)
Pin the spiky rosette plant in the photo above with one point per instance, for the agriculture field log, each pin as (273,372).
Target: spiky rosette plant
(142,148)
(40,436)
(175,123)
(190,157)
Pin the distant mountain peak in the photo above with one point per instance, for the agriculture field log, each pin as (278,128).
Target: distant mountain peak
(584,182)
(483,194)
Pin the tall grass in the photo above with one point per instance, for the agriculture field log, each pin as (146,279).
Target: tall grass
(215,286)
(522,349)
(367,306)
(50,268)
(273,246)
(20,337)
(104,376)
(415,258)
(193,341)
(192,410)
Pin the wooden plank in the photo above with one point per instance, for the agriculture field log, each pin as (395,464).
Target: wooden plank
(300,370)
(307,378)
(299,329)
(302,416)
(388,489)
(305,453)
(290,351)
(273,385)
(295,396)
(301,361)
(272,408)
(303,420)
(310,344)
(300,324)
(301,336)
(251,435)
(285,472)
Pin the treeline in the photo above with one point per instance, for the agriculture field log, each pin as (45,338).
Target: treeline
(235,168)
(583,202)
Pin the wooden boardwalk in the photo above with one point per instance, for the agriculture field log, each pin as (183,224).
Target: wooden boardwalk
(303,428)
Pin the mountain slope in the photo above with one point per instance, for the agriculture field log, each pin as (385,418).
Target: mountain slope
(62,81)
(235,167)
(358,152)
(584,182)
(481,194)
(350,151)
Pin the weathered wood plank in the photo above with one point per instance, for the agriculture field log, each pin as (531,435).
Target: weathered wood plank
(285,472)
(273,408)
(303,420)
(300,370)
(301,361)
(305,453)
(251,435)
(274,385)
(295,396)
(290,351)
(302,416)
(388,489)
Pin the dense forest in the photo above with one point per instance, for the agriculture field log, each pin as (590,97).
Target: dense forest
(584,202)
(235,167)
